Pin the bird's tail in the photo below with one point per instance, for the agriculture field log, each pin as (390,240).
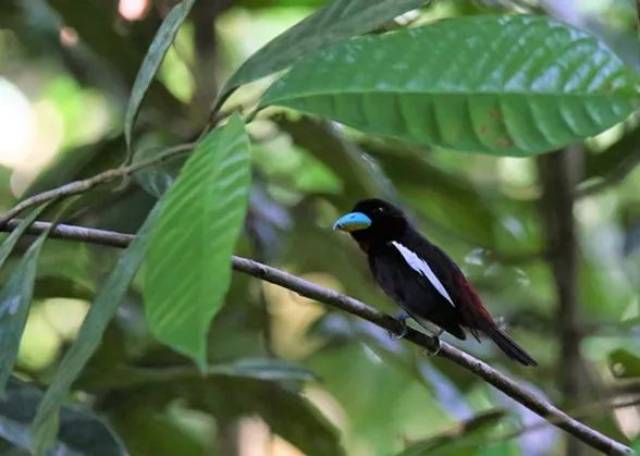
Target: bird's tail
(508,346)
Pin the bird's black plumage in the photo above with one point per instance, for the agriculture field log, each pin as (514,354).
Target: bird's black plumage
(419,276)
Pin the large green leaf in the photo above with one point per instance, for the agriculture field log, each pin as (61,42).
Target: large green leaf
(188,268)
(335,22)
(45,424)
(159,47)
(80,432)
(15,300)
(507,85)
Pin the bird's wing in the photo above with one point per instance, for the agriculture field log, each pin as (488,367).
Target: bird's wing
(474,314)
(413,284)
(421,266)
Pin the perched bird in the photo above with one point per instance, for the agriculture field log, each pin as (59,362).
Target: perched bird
(420,277)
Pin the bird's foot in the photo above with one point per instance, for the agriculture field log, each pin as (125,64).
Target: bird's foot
(436,338)
(438,347)
(401,317)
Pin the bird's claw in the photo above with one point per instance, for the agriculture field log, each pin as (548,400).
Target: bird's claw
(437,349)
(401,318)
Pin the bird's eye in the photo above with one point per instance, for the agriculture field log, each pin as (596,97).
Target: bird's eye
(380,210)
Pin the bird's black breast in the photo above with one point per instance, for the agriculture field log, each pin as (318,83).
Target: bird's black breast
(412,290)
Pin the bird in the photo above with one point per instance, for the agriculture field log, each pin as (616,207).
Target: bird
(420,277)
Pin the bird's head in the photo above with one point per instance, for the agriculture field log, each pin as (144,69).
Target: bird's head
(372,221)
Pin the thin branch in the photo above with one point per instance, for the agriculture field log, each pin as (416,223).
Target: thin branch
(80,186)
(583,412)
(350,305)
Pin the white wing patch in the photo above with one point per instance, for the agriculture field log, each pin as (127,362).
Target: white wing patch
(421,267)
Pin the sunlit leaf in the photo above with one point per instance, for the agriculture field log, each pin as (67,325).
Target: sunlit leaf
(506,85)
(80,432)
(15,300)
(45,424)
(335,22)
(188,268)
(158,48)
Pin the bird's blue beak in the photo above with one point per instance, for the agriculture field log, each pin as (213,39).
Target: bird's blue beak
(353,221)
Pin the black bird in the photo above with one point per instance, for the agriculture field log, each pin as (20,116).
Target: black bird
(420,277)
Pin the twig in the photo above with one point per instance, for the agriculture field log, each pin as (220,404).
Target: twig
(79,186)
(582,412)
(350,305)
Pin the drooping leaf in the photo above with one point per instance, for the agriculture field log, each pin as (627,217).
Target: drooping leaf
(256,368)
(335,22)
(624,364)
(15,300)
(466,439)
(613,164)
(80,432)
(506,85)
(158,48)
(45,424)
(189,262)
(10,242)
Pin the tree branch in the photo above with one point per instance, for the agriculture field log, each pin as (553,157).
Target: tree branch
(80,186)
(350,305)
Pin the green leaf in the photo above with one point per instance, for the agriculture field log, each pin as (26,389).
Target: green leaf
(467,438)
(613,164)
(335,22)
(80,432)
(10,242)
(188,268)
(45,424)
(624,364)
(256,368)
(506,85)
(15,300)
(159,47)
(288,414)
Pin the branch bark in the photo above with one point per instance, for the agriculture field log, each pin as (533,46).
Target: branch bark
(359,309)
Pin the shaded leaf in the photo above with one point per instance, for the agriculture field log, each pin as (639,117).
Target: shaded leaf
(189,262)
(80,432)
(624,364)
(256,368)
(146,431)
(10,242)
(158,48)
(15,300)
(613,164)
(287,413)
(507,85)
(466,438)
(45,424)
(335,22)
